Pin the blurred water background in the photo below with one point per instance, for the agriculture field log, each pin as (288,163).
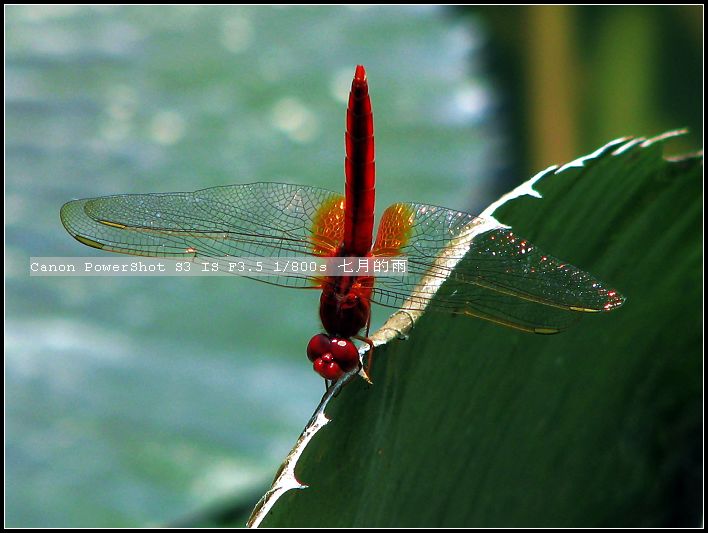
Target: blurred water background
(134,401)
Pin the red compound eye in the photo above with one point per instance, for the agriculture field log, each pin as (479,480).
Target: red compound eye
(318,346)
(345,353)
(327,367)
(318,366)
(331,371)
(331,357)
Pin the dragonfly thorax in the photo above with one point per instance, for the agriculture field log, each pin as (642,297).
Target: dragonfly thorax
(345,310)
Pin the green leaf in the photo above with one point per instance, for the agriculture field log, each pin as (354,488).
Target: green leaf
(472,424)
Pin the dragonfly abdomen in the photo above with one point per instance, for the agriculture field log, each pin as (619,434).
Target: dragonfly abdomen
(360,169)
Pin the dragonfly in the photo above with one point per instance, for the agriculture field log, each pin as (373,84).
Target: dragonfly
(457,263)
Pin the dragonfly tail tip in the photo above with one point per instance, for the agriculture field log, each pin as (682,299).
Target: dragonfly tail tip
(360,73)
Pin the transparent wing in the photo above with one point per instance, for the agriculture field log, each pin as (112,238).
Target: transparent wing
(253,220)
(491,273)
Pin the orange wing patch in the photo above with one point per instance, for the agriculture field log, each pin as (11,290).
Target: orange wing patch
(328,227)
(394,230)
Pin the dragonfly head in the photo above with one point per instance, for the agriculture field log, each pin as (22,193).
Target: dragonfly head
(332,357)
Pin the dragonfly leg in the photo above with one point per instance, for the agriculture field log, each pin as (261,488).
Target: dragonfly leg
(370,355)
(329,383)
(364,372)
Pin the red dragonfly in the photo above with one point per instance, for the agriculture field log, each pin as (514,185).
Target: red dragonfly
(489,272)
